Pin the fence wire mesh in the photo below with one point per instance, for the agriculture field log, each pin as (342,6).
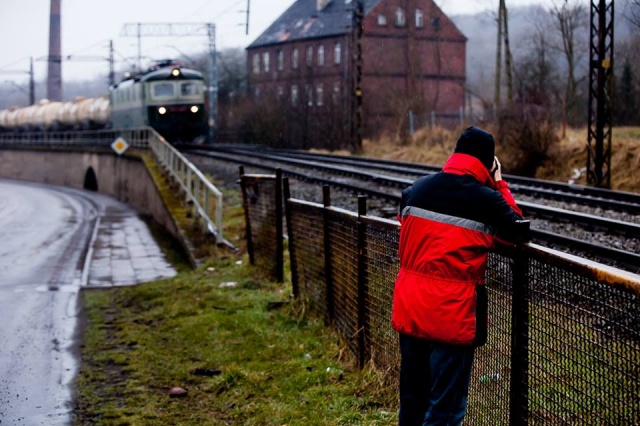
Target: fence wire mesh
(259,194)
(584,349)
(564,336)
(343,255)
(307,254)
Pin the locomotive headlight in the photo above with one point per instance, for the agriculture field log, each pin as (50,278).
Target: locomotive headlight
(194,109)
(162,110)
(175,72)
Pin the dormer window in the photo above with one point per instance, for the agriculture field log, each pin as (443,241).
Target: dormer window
(382,20)
(419,18)
(401,20)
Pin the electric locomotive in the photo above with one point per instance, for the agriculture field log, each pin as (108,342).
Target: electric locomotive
(168,98)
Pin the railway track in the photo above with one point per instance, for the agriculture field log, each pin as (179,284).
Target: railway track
(596,224)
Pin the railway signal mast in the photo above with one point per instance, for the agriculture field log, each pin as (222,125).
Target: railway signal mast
(600,94)
(184,30)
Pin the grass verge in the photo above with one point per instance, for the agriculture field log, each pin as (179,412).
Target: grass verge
(245,353)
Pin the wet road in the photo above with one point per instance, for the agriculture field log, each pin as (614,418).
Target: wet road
(49,239)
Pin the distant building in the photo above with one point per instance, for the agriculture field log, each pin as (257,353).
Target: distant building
(413,60)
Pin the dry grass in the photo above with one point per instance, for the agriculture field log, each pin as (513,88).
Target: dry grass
(434,147)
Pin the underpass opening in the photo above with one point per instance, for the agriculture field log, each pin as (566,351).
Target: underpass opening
(90,180)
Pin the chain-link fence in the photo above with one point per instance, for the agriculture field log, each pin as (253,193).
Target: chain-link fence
(262,200)
(564,335)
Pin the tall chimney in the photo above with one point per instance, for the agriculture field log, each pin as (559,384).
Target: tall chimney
(54,71)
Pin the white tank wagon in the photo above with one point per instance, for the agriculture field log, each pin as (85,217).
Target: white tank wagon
(45,116)
(24,118)
(79,114)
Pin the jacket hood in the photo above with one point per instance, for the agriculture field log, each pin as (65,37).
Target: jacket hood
(466,164)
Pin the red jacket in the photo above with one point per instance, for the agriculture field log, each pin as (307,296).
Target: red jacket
(449,222)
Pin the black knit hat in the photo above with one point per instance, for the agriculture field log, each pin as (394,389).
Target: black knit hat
(477,142)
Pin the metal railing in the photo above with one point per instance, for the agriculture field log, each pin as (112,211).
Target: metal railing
(199,191)
(136,138)
(205,198)
(564,333)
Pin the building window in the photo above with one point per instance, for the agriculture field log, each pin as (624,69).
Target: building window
(309,56)
(335,96)
(419,18)
(256,93)
(308,90)
(337,54)
(319,95)
(265,61)
(382,20)
(280,93)
(400,17)
(294,95)
(280,60)
(294,58)
(256,63)
(321,56)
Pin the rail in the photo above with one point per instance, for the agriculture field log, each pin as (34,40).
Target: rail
(199,191)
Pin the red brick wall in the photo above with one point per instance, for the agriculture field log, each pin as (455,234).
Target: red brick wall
(424,66)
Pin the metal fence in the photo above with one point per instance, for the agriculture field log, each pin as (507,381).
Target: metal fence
(564,336)
(262,202)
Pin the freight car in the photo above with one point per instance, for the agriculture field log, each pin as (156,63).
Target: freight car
(168,98)
(79,114)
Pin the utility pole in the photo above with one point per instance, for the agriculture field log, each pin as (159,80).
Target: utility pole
(32,84)
(498,88)
(503,41)
(358,28)
(184,30)
(507,54)
(112,65)
(247,24)
(600,94)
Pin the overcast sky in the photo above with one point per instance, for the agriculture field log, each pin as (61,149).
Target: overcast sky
(88,25)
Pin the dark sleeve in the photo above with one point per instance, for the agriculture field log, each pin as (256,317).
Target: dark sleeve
(505,220)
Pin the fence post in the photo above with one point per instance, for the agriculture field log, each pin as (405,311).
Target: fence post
(519,392)
(247,219)
(279,230)
(326,201)
(362,281)
(293,265)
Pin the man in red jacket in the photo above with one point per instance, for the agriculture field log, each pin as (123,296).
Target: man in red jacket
(448,223)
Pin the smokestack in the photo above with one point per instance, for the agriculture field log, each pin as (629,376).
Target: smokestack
(54,72)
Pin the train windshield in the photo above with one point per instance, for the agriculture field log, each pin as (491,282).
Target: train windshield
(163,90)
(190,88)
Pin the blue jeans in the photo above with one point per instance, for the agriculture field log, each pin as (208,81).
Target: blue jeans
(434,382)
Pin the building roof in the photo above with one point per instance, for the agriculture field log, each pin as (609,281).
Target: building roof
(303,21)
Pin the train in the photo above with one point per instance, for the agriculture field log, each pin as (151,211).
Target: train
(167,97)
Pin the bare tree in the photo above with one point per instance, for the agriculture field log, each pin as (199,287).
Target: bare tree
(634,16)
(571,23)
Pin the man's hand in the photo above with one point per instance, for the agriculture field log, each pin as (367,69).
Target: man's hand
(496,170)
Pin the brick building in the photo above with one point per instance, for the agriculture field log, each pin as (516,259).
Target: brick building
(413,59)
